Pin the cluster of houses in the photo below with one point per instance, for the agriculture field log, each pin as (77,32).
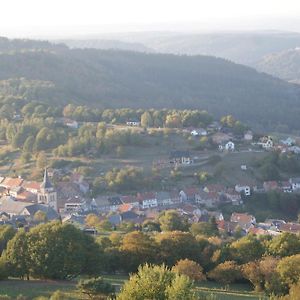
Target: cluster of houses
(21,200)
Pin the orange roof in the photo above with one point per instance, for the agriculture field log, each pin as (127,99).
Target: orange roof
(240,217)
(125,207)
(31,185)
(12,182)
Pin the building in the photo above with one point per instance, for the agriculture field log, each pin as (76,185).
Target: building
(134,123)
(240,188)
(180,157)
(295,183)
(248,136)
(47,194)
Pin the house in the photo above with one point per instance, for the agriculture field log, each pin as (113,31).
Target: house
(289,227)
(295,183)
(31,210)
(75,219)
(132,200)
(164,199)
(248,135)
(285,186)
(199,132)
(74,204)
(288,142)
(10,183)
(244,220)
(230,227)
(266,142)
(180,157)
(102,203)
(233,196)
(189,194)
(11,206)
(221,138)
(229,146)
(114,203)
(209,200)
(240,188)
(70,123)
(134,123)
(147,200)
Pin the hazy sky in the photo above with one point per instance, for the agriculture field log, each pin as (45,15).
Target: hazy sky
(75,17)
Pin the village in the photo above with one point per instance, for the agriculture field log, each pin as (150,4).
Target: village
(27,203)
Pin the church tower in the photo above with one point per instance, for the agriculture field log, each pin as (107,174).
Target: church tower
(47,193)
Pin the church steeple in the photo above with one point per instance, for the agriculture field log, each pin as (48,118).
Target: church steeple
(47,193)
(46,184)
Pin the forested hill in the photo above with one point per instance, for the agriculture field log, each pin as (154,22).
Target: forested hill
(111,78)
(285,65)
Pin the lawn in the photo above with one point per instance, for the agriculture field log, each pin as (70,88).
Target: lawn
(35,288)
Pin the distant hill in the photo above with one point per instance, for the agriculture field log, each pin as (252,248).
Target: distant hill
(114,79)
(241,47)
(285,65)
(106,45)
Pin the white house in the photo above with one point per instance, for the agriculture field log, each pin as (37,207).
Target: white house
(243,188)
(229,146)
(199,132)
(248,136)
(266,143)
(133,123)
(295,183)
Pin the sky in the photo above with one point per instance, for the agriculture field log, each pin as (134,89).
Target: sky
(20,18)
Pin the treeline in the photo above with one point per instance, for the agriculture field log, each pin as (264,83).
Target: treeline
(272,166)
(56,251)
(121,78)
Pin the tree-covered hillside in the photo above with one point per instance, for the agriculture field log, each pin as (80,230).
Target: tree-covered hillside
(111,78)
(285,65)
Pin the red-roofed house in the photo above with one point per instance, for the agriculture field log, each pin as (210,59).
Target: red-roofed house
(243,219)
(10,183)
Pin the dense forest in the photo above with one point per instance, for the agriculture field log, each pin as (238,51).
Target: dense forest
(113,79)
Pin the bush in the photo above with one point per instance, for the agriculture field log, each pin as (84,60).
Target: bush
(95,288)
(189,268)
(227,272)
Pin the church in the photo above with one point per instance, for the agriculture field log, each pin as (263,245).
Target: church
(47,193)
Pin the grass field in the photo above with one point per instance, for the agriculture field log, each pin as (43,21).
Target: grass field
(36,288)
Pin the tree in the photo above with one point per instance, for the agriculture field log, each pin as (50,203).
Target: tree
(78,252)
(285,244)
(176,245)
(157,282)
(227,272)
(136,248)
(146,120)
(190,269)
(205,228)
(7,232)
(170,220)
(289,269)
(28,145)
(95,288)
(246,249)
(40,216)
(41,161)
(17,255)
